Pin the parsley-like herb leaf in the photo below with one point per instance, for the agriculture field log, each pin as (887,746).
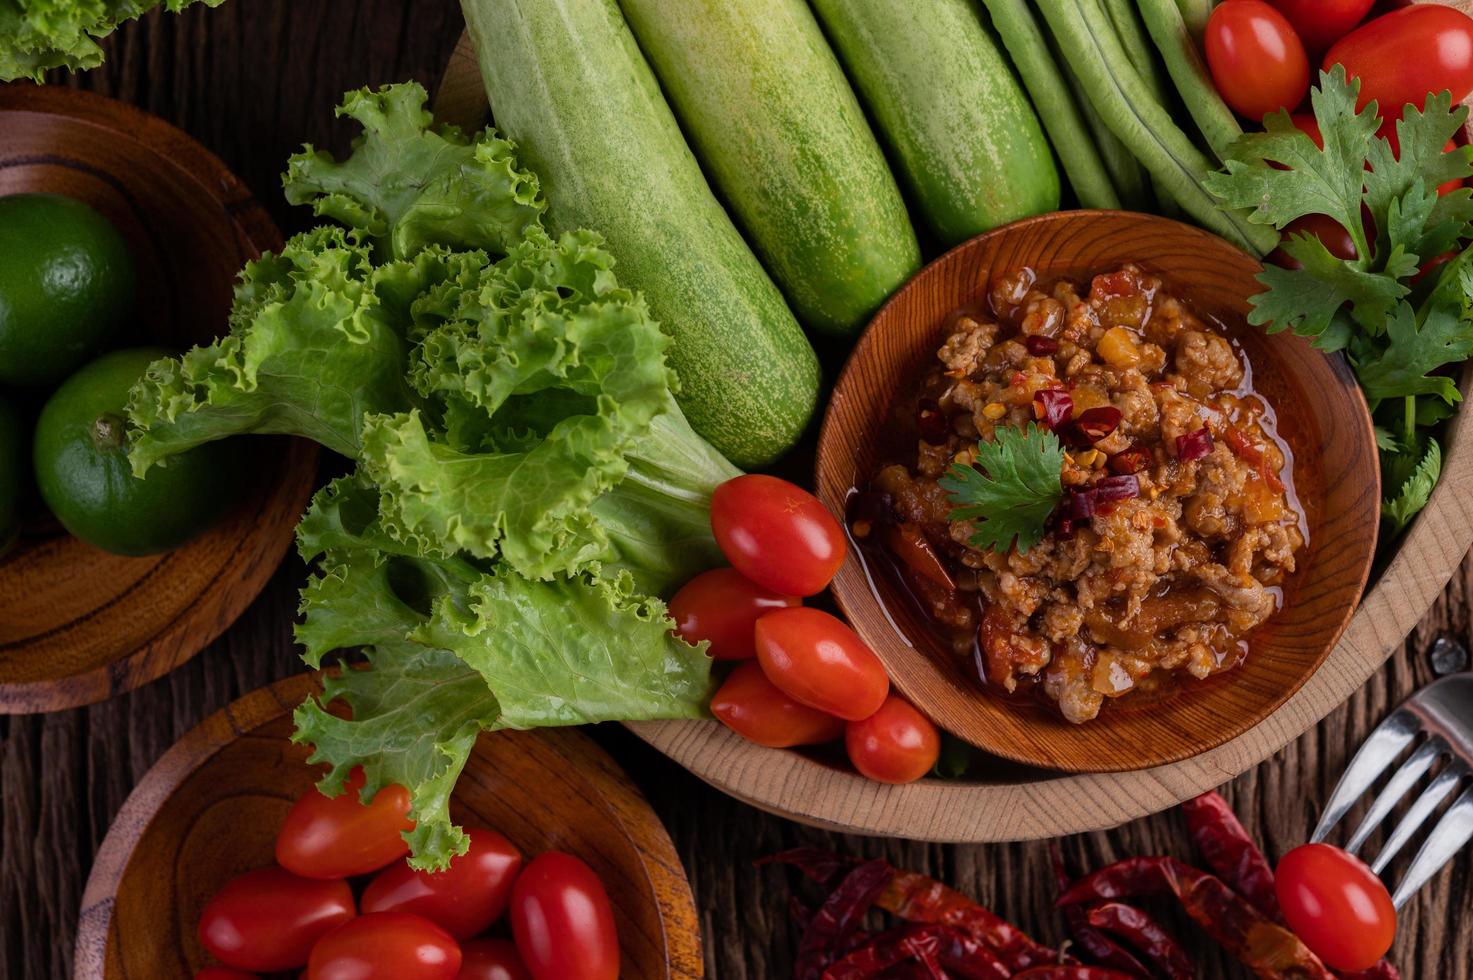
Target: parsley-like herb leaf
(1404,366)
(1014,493)
(1410,478)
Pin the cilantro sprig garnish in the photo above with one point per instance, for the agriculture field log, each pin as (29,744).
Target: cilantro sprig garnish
(1396,329)
(1015,491)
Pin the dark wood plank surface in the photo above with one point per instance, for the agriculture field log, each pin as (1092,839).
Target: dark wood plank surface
(254,79)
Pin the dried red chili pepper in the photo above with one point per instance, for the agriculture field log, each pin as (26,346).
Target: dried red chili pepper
(1252,453)
(916,898)
(921,943)
(1115,488)
(1131,460)
(1052,407)
(1262,945)
(1230,853)
(1072,972)
(1194,445)
(1143,932)
(817,864)
(1040,346)
(1094,424)
(1381,971)
(839,917)
(1099,947)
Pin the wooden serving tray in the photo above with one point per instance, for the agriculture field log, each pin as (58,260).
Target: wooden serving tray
(1023,804)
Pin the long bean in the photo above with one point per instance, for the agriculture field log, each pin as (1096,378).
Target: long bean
(1124,170)
(1195,14)
(1061,117)
(1193,82)
(1123,101)
(1142,54)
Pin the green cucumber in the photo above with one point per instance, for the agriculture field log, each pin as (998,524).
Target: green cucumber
(786,144)
(968,143)
(567,82)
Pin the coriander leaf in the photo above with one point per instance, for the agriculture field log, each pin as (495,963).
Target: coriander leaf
(1386,440)
(1409,480)
(1422,135)
(1307,300)
(1326,181)
(1014,493)
(312,347)
(1413,351)
(38,35)
(409,184)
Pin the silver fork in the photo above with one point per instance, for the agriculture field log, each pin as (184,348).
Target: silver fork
(1443,711)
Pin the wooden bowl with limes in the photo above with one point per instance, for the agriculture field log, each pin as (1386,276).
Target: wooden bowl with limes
(79,625)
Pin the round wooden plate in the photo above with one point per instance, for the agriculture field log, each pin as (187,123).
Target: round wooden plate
(1017,803)
(210,809)
(78,625)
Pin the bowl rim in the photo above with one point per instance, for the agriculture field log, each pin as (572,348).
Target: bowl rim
(850,594)
(200,624)
(240,718)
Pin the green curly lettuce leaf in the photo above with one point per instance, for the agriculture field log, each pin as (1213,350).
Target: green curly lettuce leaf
(409,184)
(453,648)
(39,35)
(317,340)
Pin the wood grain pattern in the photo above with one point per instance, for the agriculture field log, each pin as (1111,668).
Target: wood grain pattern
(234,777)
(64,776)
(78,625)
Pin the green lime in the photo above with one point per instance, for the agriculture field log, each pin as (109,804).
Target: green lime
(12,471)
(82,466)
(66,286)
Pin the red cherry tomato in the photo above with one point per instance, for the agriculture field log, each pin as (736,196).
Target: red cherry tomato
(491,959)
(223,973)
(753,707)
(1336,905)
(817,660)
(385,946)
(1320,23)
(1402,56)
(896,744)
(268,919)
(1257,61)
(463,899)
(562,921)
(722,606)
(341,837)
(1329,231)
(777,534)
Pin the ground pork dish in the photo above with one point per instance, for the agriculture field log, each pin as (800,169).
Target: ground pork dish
(1176,522)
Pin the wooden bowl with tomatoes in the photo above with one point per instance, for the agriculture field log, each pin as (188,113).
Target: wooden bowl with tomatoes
(214,806)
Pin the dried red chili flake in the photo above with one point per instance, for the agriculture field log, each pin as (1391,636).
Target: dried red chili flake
(1052,407)
(1230,853)
(1099,947)
(1081,505)
(1132,460)
(839,917)
(931,424)
(1040,346)
(1116,488)
(918,943)
(1194,445)
(916,898)
(817,864)
(1143,932)
(1263,946)
(1072,972)
(1095,424)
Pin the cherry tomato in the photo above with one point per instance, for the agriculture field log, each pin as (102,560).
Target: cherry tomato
(385,946)
(268,919)
(753,707)
(777,534)
(1336,905)
(491,959)
(722,606)
(223,973)
(896,744)
(562,921)
(817,660)
(1329,231)
(1402,56)
(341,837)
(463,899)
(1257,61)
(1320,23)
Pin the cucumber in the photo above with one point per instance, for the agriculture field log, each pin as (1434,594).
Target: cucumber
(786,144)
(966,139)
(566,81)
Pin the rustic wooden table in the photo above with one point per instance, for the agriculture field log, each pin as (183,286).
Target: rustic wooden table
(254,79)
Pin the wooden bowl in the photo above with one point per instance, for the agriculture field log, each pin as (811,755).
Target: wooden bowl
(78,625)
(1321,415)
(210,809)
